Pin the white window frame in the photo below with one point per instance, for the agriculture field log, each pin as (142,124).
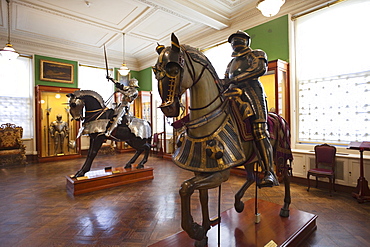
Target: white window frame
(345,54)
(17,103)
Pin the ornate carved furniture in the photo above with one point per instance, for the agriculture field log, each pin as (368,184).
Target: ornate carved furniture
(12,150)
(324,165)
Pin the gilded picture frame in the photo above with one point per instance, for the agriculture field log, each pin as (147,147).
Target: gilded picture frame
(56,71)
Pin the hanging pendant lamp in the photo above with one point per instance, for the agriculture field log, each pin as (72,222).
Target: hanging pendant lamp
(270,8)
(8,51)
(123,70)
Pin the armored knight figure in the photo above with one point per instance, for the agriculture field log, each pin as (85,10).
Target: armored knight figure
(243,72)
(129,94)
(58,131)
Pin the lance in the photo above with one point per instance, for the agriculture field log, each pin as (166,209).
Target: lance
(106,66)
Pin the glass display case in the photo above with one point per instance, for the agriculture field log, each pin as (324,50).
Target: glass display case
(276,85)
(54,125)
(143,106)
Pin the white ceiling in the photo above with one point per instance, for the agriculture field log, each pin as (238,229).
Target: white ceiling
(78,29)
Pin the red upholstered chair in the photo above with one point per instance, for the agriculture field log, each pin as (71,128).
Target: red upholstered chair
(157,144)
(324,165)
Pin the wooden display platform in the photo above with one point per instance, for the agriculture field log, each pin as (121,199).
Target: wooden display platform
(107,178)
(240,229)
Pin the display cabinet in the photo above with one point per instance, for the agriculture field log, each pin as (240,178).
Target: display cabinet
(54,125)
(143,106)
(276,85)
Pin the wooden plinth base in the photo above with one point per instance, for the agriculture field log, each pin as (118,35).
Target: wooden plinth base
(362,193)
(240,229)
(118,177)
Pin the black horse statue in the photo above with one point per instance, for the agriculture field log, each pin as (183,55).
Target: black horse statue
(136,132)
(210,144)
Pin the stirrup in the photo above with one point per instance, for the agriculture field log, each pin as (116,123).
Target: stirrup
(110,136)
(269,180)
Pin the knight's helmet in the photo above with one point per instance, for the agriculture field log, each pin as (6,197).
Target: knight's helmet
(241,34)
(133,83)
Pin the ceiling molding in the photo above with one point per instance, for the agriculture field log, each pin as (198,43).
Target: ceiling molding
(71,30)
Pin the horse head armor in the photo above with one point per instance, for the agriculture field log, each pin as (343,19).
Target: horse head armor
(169,71)
(76,106)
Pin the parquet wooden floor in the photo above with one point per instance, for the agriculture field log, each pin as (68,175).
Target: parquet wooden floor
(35,209)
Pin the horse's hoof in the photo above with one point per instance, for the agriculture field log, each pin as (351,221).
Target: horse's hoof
(127,166)
(140,166)
(201,243)
(197,232)
(79,174)
(239,206)
(215,221)
(284,212)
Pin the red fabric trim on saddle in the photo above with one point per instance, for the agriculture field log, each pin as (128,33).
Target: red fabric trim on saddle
(180,123)
(279,132)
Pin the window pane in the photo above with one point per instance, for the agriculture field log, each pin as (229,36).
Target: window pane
(220,56)
(15,94)
(333,74)
(90,78)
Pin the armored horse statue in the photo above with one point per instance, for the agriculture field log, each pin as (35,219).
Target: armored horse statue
(136,132)
(210,144)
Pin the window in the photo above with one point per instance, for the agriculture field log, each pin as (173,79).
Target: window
(333,74)
(93,78)
(220,56)
(16,94)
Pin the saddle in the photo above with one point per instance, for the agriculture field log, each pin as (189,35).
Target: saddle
(241,111)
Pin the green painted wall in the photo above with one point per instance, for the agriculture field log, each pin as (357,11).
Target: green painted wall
(145,79)
(272,37)
(135,74)
(51,83)
(143,76)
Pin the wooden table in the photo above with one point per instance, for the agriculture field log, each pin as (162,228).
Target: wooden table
(362,192)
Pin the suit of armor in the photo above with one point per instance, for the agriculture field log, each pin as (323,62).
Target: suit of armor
(58,131)
(243,72)
(129,94)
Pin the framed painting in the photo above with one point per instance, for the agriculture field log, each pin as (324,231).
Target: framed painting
(56,71)
(123,79)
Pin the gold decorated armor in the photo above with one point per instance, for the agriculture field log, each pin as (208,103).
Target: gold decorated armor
(243,72)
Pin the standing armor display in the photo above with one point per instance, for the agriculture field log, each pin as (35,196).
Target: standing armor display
(129,94)
(58,131)
(211,142)
(243,72)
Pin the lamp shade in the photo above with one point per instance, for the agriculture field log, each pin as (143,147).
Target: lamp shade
(124,70)
(8,52)
(270,7)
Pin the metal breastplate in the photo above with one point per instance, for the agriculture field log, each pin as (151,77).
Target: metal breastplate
(239,65)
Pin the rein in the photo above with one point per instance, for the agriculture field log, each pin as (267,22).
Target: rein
(98,113)
(196,80)
(196,123)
